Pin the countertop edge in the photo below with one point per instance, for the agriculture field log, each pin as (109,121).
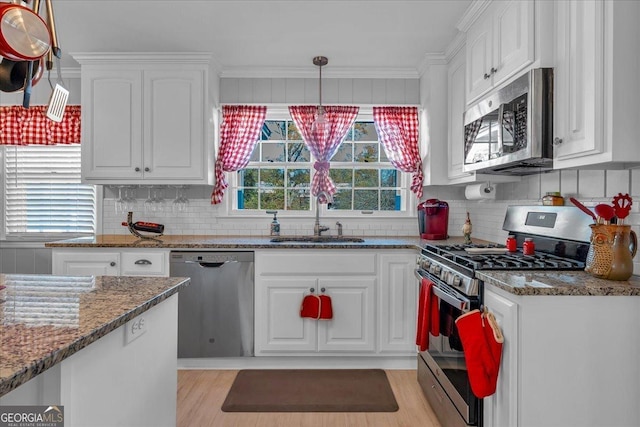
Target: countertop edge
(589,286)
(39,366)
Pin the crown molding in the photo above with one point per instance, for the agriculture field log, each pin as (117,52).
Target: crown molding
(472,13)
(456,44)
(333,72)
(85,58)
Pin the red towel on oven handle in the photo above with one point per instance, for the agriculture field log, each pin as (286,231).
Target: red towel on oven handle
(482,342)
(428,315)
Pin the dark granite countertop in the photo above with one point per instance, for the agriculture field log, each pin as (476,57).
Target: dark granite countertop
(540,282)
(239,242)
(44,319)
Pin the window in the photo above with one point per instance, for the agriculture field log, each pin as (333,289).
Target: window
(42,192)
(280,172)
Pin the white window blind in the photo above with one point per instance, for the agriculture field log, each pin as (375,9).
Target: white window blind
(43,192)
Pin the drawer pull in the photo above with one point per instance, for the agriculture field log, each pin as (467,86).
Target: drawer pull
(143,262)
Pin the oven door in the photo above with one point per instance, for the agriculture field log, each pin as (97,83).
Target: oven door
(444,356)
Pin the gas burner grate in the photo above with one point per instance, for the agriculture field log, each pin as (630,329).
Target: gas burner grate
(457,255)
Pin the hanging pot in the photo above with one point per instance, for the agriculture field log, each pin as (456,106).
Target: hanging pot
(24,36)
(13,74)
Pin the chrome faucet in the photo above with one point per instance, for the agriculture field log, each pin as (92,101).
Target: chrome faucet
(317,228)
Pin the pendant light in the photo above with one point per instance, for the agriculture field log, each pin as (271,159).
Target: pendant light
(320,124)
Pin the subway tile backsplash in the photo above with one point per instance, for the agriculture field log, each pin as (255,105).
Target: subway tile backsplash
(589,186)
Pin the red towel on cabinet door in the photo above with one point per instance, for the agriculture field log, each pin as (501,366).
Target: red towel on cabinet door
(428,315)
(482,342)
(310,306)
(326,310)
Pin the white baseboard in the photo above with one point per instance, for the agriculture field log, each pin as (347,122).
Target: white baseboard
(292,362)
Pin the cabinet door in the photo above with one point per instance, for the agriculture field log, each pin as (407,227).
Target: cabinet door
(278,325)
(397,303)
(112,124)
(501,408)
(174,131)
(479,57)
(513,38)
(353,325)
(456,90)
(85,263)
(579,91)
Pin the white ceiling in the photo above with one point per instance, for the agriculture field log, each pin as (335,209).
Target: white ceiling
(266,37)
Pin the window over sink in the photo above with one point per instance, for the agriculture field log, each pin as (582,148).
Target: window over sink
(280,172)
(43,195)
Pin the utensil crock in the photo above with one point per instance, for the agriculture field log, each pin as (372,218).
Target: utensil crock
(611,251)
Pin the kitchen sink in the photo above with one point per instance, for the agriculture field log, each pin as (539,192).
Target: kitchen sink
(317,239)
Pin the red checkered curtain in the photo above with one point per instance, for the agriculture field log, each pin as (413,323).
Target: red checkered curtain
(398,131)
(239,133)
(323,142)
(31,126)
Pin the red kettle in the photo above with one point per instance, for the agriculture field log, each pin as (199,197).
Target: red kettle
(433,219)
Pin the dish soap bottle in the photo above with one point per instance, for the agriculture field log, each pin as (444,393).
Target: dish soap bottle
(274,229)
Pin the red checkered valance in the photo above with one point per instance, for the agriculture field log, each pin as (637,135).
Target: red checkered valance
(30,126)
(398,131)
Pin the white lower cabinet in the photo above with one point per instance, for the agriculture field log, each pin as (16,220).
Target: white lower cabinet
(568,361)
(351,329)
(109,262)
(501,408)
(372,294)
(397,302)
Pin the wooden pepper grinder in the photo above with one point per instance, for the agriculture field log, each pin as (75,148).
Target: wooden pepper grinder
(466,230)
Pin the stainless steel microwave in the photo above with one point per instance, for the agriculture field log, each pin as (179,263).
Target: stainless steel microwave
(510,132)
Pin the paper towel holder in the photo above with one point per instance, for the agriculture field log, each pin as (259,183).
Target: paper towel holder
(489,188)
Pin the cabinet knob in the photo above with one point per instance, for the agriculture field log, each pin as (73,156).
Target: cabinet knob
(557,141)
(137,169)
(112,263)
(487,76)
(494,70)
(147,169)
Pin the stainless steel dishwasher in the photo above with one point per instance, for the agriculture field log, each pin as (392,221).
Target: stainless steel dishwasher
(215,312)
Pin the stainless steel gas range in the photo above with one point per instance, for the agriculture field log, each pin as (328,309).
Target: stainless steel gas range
(561,238)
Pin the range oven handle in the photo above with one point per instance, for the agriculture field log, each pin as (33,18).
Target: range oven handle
(462,304)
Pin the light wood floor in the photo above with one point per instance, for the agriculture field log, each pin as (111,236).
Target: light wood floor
(202,392)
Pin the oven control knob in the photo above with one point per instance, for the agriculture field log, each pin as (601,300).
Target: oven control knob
(445,275)
(435,269)
(456,280)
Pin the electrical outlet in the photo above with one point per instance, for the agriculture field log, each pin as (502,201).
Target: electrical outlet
(135,328)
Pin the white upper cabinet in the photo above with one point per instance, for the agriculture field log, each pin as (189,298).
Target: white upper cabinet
(597,120)
(146,120)
(499,44)
(456,87)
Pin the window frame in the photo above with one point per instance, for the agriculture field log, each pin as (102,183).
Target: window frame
(15,238)
(280,112)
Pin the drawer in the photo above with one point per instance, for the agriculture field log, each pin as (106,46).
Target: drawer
(309,261)
(145,263)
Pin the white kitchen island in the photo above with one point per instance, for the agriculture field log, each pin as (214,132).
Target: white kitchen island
(105,348)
